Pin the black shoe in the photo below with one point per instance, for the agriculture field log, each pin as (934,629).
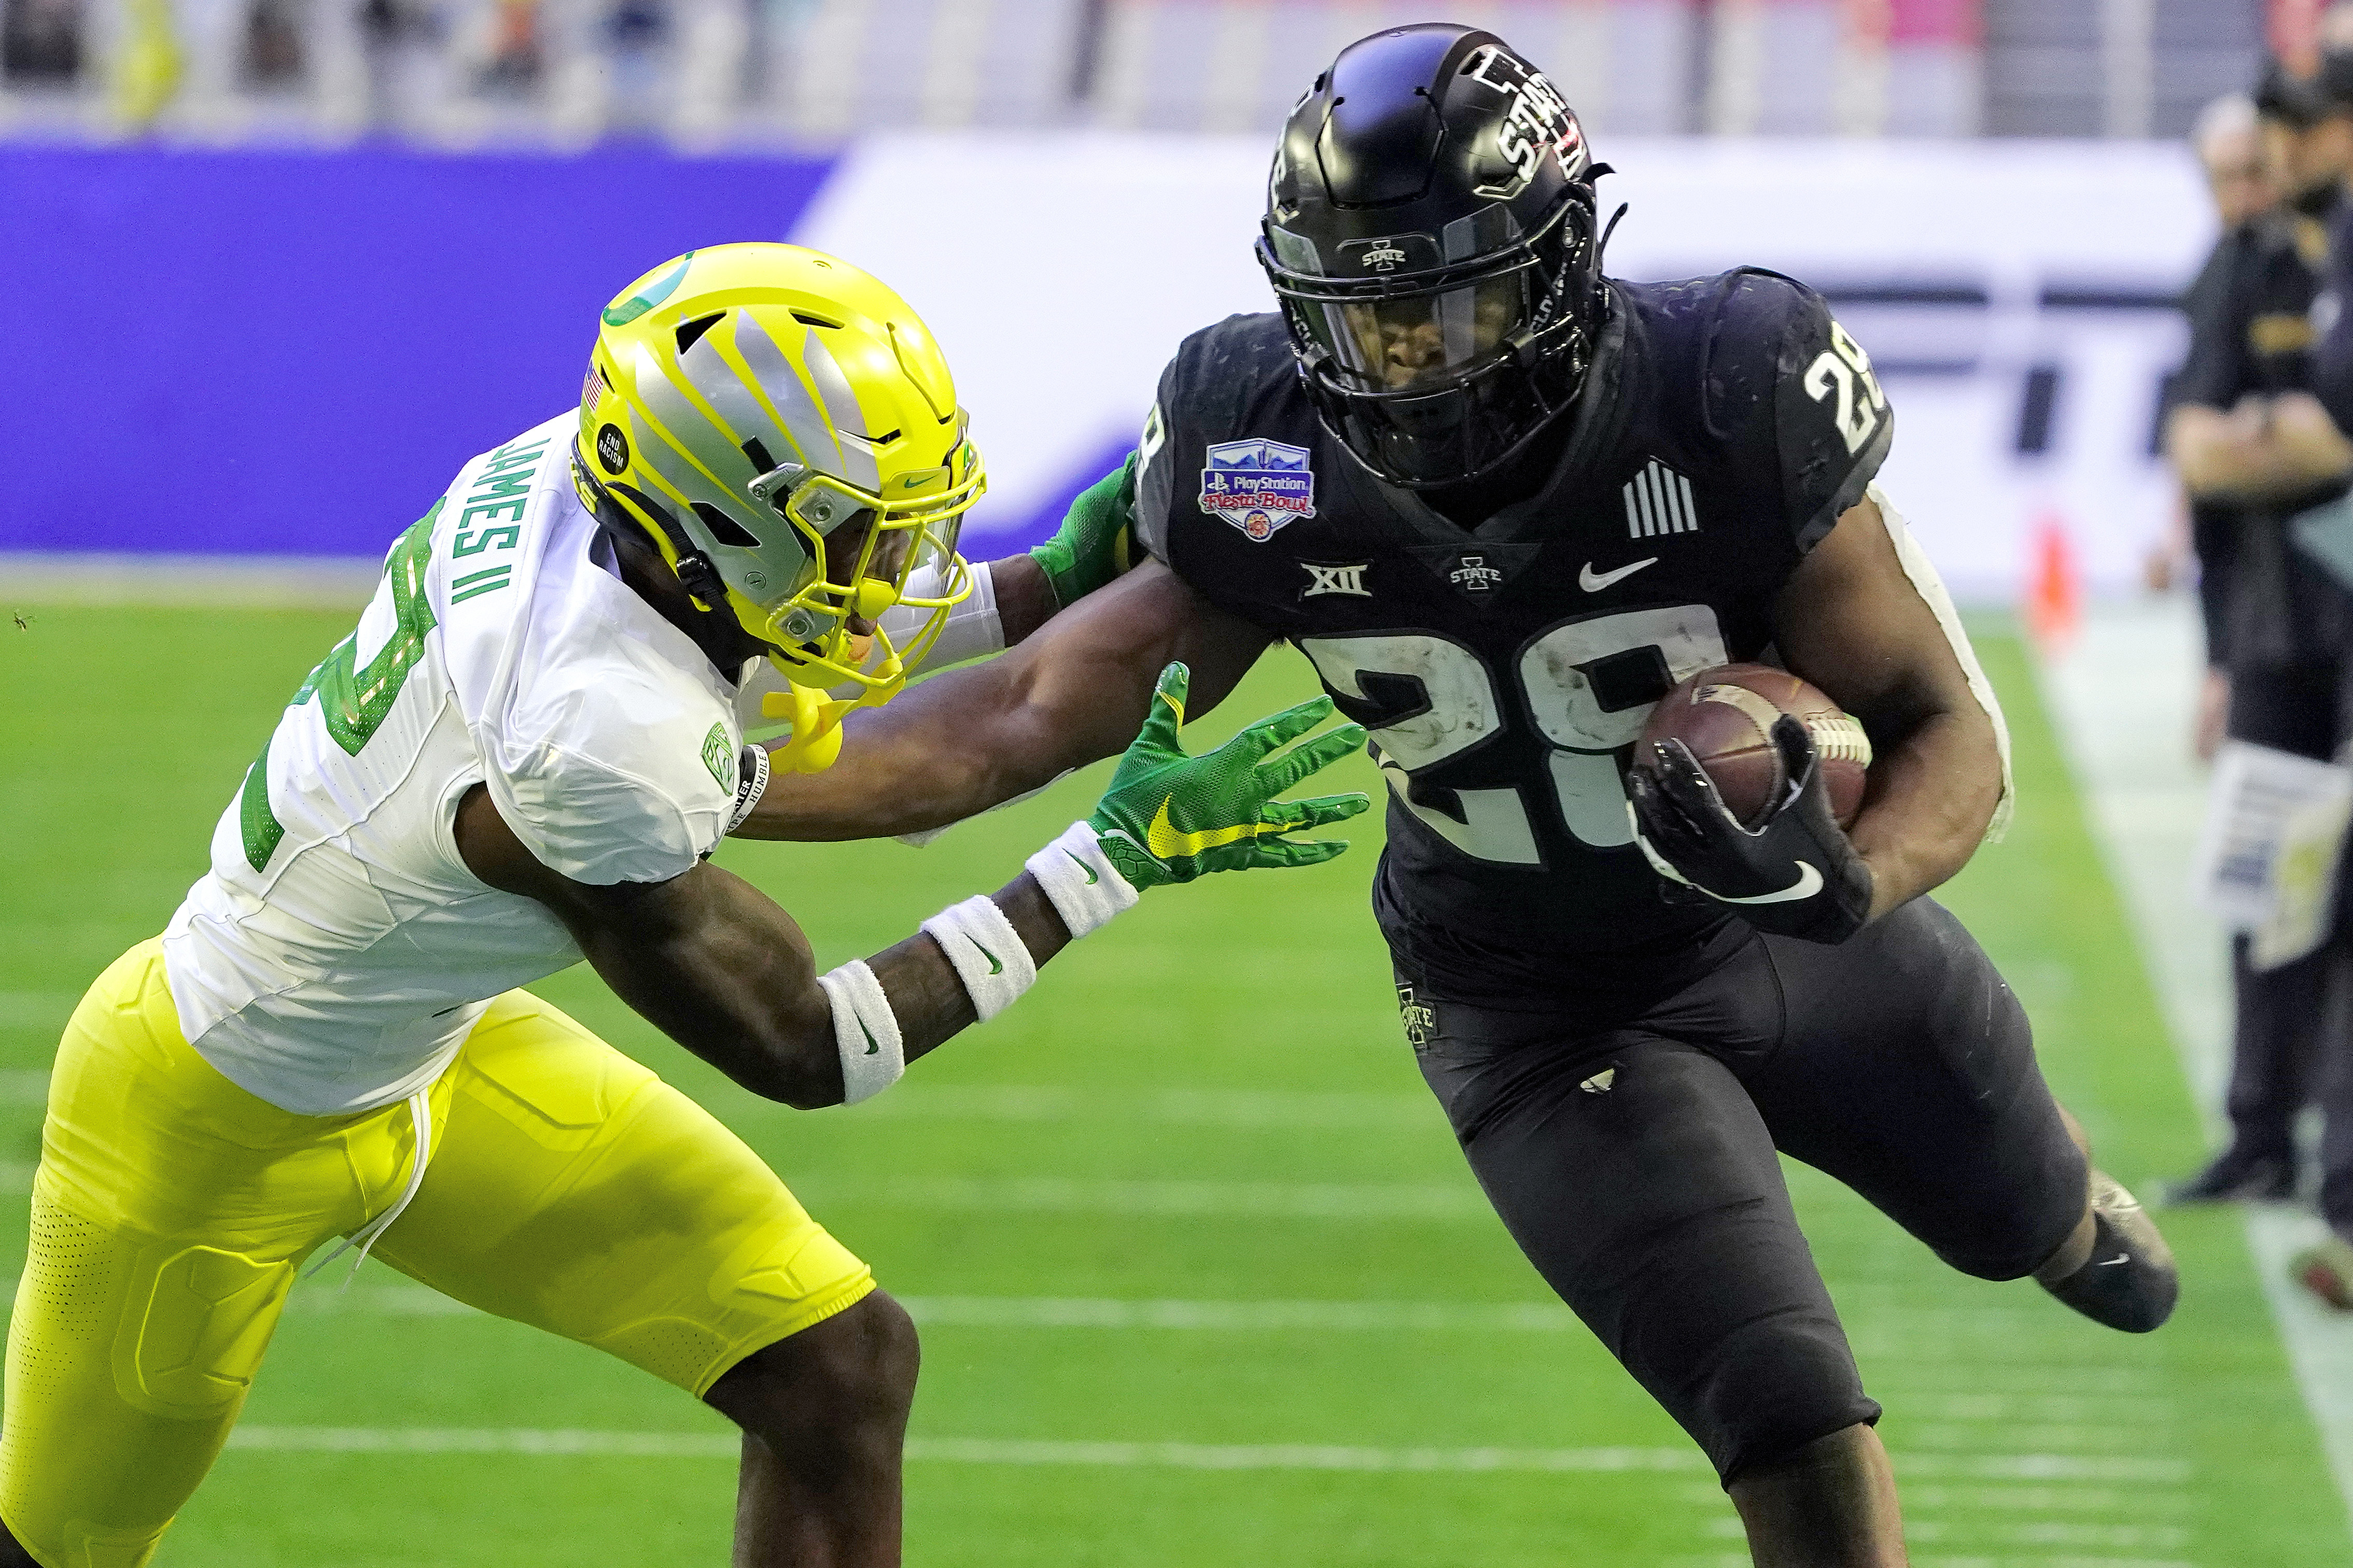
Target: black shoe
(2235,1178)
(2129,1282)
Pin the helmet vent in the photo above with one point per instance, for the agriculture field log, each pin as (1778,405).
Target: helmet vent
(758,453)
(690,333)
(805,320)
(723,528)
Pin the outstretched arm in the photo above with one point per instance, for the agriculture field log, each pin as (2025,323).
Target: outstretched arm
(960,743)
(721,969)
(718,966)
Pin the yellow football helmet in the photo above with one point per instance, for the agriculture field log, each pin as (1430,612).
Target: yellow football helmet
(785,430)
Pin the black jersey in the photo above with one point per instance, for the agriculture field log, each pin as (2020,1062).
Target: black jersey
(1505,670)
(2252,334)
(2208,305)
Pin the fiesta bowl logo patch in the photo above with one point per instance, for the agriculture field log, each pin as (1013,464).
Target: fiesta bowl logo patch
(1258,486)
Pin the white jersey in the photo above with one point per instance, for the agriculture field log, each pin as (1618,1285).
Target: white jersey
(339,951)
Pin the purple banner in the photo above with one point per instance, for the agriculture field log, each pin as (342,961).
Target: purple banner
(292,353)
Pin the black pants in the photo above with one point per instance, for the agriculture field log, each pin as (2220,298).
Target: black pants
(1633,1160)
(2287,1042)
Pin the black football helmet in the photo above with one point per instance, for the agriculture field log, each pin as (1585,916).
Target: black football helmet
(1430,230)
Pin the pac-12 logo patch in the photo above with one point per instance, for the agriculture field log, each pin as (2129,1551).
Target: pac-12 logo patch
(1258,486)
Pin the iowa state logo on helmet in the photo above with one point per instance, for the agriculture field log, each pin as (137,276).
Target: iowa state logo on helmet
(1258,486)
(1537,121)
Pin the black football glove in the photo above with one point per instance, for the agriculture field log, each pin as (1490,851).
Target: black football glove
(1795,876)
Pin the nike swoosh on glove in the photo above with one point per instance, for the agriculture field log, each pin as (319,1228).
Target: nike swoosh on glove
(1794,875)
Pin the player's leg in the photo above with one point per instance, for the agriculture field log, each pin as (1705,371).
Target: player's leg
(169,1213)
(1639,1181)
(1907,1071)
(824,1414)
(577,1191)
(1836,1489)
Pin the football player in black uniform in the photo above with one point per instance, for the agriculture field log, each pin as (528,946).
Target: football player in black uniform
(1503,503)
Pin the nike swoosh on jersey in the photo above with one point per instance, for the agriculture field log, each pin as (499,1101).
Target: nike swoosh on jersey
(1593,583)
(1809,883)
(1164,841)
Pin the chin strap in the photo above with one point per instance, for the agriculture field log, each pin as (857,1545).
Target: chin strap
(694,568)
(815,719)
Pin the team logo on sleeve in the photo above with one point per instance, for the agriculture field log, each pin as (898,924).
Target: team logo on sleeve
(719,756)
(1258,486)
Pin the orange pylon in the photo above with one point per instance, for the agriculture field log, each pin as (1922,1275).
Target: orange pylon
(2054,586)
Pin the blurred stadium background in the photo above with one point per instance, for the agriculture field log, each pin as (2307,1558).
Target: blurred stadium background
(277,266)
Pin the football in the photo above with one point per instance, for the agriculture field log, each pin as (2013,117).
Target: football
(1725,716)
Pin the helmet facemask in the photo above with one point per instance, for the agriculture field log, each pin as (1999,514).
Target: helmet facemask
(864,551)
(1441,376)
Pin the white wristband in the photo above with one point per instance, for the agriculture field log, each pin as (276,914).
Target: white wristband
(865,1031)
(1085,889)
(751,783)
(989,954)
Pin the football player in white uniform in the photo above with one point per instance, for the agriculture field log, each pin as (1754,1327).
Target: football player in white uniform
(523,757)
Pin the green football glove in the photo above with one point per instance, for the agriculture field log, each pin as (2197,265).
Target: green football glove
(1097,540)
(1168,818)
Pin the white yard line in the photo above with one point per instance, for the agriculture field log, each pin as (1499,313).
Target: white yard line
(1050,1312)
(37,1009)
(1055,1194)
(1287,1111)
(1273,1109)
(256,581)
(565,1444)
(2121,703)
(1742,1560)
(1229,1317)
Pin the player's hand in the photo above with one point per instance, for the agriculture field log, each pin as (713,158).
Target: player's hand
(1097,540)
(1168,818)
(1794,875)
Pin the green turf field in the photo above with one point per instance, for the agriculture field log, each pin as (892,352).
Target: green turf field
(1203,1278)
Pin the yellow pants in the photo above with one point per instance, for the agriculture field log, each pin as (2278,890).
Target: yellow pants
(568,1188)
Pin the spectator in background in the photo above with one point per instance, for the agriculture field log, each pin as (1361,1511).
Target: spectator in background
(2228,141)
(2252,446)
(2326,1269)
(40,40)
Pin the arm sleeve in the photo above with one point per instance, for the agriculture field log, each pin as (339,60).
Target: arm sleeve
(625,784)
(1832,424)
(2217,370)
